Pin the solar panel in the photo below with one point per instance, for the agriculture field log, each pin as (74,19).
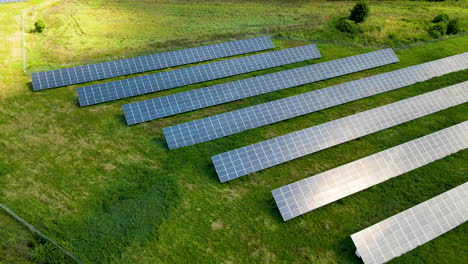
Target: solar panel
(104,92)
(411,228)
(100,71)
(311,193)
(229,123)
(227,92)
(268,153)
(11,1)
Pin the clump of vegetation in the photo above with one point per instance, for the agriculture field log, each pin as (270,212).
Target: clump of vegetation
(438,30)
(360,12)
(444,25)
(454,26)
(441,18)
(39,26)
(348,26)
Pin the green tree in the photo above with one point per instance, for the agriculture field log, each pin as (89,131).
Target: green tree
(360,12)
(441,18)
(454,27)
(39,26)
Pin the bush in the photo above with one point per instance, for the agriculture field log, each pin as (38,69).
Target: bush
(441,18)
(348,26)
(438,30)
(454,27)
(434,33)
(39,26)
(360,12)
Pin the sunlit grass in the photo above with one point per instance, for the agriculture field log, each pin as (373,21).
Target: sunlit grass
(97,30)
(110,193)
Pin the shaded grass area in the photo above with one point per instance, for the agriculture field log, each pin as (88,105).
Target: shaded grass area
(127,214)
(101,29)
(110,193)
(18,245)
(16,242)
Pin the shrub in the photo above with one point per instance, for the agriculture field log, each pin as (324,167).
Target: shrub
(438,30)
(434,33)
(360,12)
(348,26)
(279,34)
(454,27)
(441,18)
(39,26)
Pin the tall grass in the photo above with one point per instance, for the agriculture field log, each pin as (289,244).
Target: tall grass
(110,193)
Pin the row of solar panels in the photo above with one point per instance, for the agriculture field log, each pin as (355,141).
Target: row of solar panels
(313,192)
(242,161)
(100,71)
(229,123)
(411,228)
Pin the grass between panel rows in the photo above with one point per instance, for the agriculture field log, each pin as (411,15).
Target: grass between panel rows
(113,193)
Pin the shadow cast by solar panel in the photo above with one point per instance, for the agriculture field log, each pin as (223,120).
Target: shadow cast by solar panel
(157,141)
(29,85)
(120,118)
(76,102)
(346,250)
(273,210)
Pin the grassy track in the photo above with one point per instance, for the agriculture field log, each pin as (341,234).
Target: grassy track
(110,193)
(114,28)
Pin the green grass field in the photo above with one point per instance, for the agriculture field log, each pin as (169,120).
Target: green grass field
(110,193)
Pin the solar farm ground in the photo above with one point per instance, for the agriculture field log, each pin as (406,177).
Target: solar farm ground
(110,193)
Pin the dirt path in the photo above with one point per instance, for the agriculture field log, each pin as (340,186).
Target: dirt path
(12,78)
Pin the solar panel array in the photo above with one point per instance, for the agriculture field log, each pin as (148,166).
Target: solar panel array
(227,92)
(411,228)
(11,1)
(229,123)
(268,153)
(100,71)
(311,193)
(104,92)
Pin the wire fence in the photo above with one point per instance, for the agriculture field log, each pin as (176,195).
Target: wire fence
(38,233)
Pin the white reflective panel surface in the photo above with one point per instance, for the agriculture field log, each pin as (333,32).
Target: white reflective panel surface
(229,123)
(311,193)
(236,163)
(104,70)
(228,92)
(109,91)
(411,228)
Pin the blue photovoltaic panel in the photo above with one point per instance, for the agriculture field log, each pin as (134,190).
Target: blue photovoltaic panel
(268,153)
(227,92)
(327,187)
(411,228)
(104,92)
(11,1)
(100,71)
(229,123)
